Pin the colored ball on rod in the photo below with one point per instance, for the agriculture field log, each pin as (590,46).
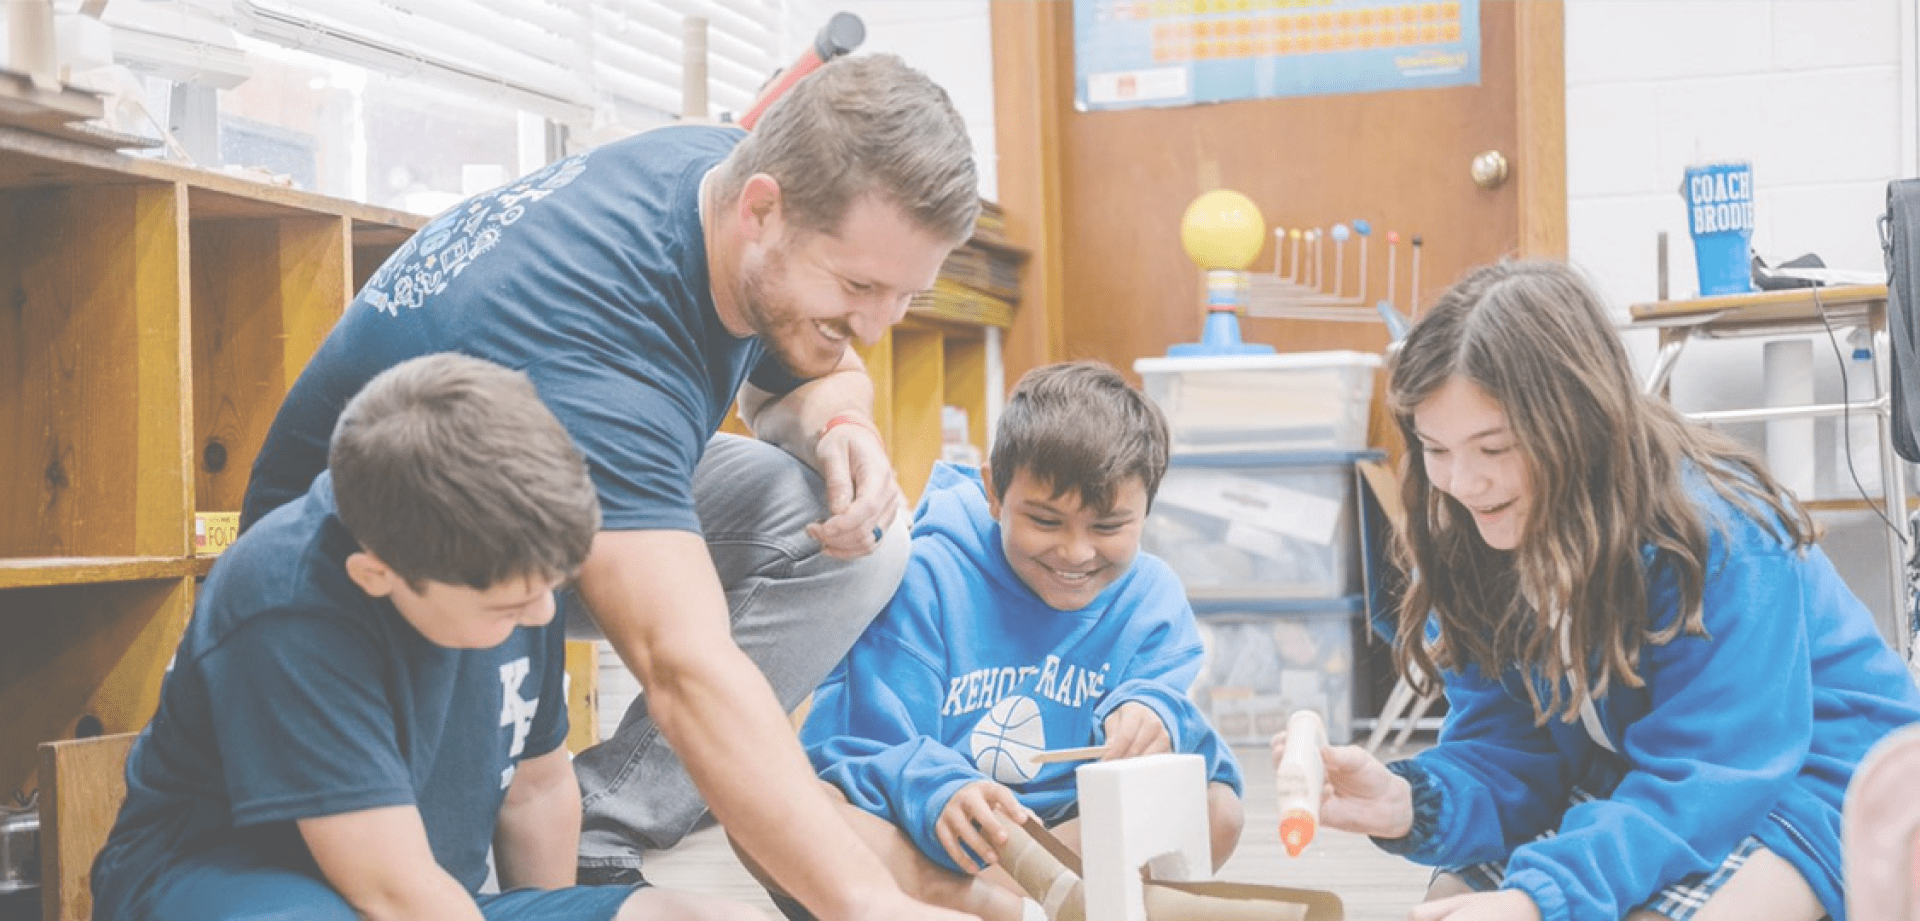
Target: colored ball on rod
(1222,229)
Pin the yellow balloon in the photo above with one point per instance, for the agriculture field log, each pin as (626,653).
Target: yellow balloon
(1222,229)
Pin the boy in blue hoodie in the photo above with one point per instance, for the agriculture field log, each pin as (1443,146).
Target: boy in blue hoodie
(1028,620)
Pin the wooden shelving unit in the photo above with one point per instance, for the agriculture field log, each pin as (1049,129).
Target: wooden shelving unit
(152,318)
(922,365)
(947,351)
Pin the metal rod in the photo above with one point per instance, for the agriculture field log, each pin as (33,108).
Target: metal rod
(1663,365)
(1393,265)
(1777,413)
(1893,486)
(1413,283)
(1660,262)
(1361,228)
(1339,258)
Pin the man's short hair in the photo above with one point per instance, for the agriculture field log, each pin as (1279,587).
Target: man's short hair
(858,126)
(449,468)
(1079,427)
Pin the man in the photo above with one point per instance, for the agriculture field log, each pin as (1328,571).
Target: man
(641,286)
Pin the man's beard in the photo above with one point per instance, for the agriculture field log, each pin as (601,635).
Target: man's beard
(776,319)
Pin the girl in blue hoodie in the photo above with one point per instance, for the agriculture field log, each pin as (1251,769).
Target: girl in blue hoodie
(1028,620)
(1659,686)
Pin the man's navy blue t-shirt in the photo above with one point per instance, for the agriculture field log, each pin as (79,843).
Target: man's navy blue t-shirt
(591,276)
(295,695)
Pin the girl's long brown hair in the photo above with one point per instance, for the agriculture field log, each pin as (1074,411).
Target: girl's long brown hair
(1607,466)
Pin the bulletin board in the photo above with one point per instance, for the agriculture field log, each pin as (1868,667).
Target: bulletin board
(1135,53)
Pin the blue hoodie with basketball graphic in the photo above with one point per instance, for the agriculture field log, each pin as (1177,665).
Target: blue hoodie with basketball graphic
(967,673)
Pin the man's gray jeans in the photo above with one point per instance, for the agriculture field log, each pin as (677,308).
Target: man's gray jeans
(795,612)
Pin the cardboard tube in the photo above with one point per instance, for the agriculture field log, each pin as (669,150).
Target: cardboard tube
(1062,894)
(1058,889)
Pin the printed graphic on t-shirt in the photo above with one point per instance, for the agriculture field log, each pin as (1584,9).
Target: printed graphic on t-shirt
(1006,739)
(1065,683)
(1013,730)
(515,712)
(455,240)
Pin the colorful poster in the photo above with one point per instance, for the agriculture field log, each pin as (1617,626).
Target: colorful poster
(1133,53)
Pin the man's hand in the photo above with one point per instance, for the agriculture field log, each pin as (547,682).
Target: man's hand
(1133,729)
(969,820)
(863,496)
(1362,795)
(1500,905)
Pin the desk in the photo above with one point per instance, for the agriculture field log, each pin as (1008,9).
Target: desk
(1800,312)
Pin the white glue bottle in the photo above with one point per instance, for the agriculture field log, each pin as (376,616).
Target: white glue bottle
(1300,779)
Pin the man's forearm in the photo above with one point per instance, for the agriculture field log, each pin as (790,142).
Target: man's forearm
(748,764)
(661,606)
(793,421)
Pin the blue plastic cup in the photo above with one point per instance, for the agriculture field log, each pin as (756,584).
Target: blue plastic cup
(1720,218)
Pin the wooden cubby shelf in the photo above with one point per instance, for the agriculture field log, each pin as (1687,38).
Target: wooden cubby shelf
(152,317)
(921,365)
(41,572)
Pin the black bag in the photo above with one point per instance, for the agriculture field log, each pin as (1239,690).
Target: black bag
(1900,239)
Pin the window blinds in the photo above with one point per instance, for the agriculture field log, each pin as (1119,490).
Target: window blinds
(579,62)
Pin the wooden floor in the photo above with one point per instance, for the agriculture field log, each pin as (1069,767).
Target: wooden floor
(1376,886)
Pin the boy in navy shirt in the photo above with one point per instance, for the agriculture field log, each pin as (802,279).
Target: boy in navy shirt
(370,696)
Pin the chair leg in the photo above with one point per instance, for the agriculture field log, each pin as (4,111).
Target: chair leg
(1397,701)
(1414,715)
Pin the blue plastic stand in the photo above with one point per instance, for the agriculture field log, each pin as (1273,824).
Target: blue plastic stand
(1220,336)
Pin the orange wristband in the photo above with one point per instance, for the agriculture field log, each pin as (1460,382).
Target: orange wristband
(849,417)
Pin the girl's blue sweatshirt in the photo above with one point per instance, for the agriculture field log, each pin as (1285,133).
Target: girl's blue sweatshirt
(1754,729)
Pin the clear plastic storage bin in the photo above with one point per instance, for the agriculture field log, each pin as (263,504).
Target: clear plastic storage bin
(1300,401)
(1258,526)
(1261,666)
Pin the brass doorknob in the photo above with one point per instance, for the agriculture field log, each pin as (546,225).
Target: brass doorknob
(1489,169)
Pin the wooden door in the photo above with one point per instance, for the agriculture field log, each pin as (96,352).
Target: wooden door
(1099,195)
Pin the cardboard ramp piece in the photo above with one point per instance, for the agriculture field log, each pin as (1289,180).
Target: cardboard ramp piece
(1050,873)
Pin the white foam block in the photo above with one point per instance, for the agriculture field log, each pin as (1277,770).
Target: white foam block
(1141,812)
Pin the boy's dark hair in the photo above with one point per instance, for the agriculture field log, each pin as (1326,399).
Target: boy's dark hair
(1080,428)
(449,468)
(863,125)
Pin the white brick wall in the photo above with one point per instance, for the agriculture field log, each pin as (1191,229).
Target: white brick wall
(1808,90)
(1811,92)
(949,40)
